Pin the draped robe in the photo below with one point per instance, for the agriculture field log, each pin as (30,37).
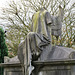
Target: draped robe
(37,44)
(36,41)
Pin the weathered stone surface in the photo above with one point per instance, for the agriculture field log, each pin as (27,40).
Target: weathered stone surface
(14,59)
(37,51)
(57,52)
(55,67)
(12,66)
(61,64)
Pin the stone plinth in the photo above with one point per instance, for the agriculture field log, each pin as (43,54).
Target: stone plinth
(54,67)
(12,68)
(59,61)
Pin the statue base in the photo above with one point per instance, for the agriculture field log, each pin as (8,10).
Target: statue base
(60,61)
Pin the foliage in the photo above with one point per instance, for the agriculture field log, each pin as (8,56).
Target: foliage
(3,47)
(17,19)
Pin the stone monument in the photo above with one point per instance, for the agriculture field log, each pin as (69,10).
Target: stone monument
(38,42)
(36,55)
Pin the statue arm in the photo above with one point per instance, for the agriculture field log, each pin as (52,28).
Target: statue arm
(61,13)
(48,18)
(57,23)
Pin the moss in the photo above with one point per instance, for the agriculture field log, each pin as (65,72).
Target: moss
(35,21)
(44,31)
(36,16)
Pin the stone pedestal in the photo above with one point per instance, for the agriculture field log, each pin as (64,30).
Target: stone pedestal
(12,69)
(12,66)
(55,67)
(60,61)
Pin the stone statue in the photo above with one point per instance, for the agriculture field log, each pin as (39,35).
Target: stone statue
(38,40)
(36,54)
(57,23)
